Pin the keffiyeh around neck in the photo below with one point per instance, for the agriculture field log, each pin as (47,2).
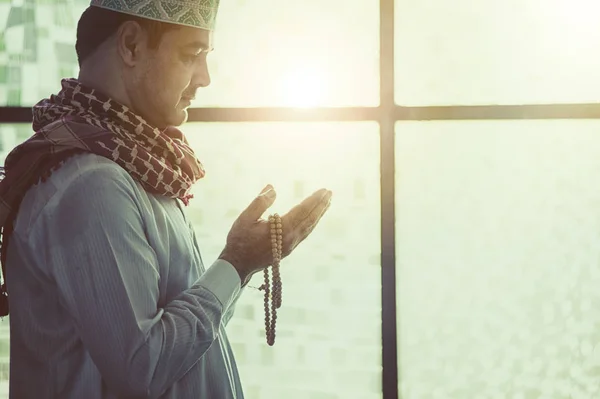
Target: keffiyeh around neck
(80,119)
(162,161)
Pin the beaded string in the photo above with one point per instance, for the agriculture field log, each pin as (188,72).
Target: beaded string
(273,292)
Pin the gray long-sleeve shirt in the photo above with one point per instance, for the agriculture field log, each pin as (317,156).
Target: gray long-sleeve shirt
(109,297)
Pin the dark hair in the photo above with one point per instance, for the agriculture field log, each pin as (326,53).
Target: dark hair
(98,24)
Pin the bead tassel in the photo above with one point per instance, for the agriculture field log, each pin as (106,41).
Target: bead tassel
(273,292)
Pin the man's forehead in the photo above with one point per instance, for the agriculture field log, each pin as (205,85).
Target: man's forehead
(195,39)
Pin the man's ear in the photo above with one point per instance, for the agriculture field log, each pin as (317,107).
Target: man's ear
(131,39)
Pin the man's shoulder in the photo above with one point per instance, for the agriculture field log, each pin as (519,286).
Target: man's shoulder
(84,183)
(81,166)
(90,173)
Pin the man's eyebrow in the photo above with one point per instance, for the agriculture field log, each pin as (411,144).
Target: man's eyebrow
(202,46)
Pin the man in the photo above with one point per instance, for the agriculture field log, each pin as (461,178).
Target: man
(109,297)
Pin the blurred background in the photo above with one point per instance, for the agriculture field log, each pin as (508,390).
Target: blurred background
(495,144)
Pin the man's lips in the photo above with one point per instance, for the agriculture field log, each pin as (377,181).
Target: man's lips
(186,101)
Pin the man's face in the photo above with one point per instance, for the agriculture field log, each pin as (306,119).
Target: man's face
(163,83)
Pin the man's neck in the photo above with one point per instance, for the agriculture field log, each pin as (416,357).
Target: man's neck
(97,76)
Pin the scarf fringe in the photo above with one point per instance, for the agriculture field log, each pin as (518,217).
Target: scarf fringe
(186,199)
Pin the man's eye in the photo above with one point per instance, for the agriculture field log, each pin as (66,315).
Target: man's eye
(191,57)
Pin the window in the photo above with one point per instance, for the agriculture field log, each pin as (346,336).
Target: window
(331,296)
(10,136)
(490,231)
(497,249)
(324,53)
(497,52)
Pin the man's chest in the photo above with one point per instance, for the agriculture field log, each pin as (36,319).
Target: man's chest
(177,252)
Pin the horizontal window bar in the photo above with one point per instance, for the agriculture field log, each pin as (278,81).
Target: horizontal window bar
(23,114)
(475,112)
(490,112)
(283,114)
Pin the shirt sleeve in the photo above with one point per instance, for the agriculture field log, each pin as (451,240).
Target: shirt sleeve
(231,310)
(107,279)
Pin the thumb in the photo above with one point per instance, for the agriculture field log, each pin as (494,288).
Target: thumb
(260,204)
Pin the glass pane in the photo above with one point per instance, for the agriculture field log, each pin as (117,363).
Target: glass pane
(268,53)
(332,282)
(497,52)
(37,48)
(10,136)
(332,295)
(307,53)
(498,259)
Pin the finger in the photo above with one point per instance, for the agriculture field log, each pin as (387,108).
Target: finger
(259,205)
(301,211)
(267,188)
(308,225)
(305,229)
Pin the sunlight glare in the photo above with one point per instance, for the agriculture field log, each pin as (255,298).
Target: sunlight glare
(303,87)
(574,17)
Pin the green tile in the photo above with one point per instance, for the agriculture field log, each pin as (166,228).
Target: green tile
(14,75)
(14,97)
(65,71)
(19,16)
(15,59)
(15,17)
(31,42)
(63,17)
(65,53)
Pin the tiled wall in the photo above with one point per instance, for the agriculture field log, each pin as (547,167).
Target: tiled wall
(36,47)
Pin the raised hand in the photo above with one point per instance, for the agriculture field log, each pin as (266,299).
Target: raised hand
(248,246)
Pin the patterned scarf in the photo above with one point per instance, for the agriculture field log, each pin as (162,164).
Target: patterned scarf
(81,120)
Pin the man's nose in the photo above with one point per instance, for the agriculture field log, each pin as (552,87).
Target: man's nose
(201,75)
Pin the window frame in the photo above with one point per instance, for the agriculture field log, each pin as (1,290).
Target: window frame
(386,114)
